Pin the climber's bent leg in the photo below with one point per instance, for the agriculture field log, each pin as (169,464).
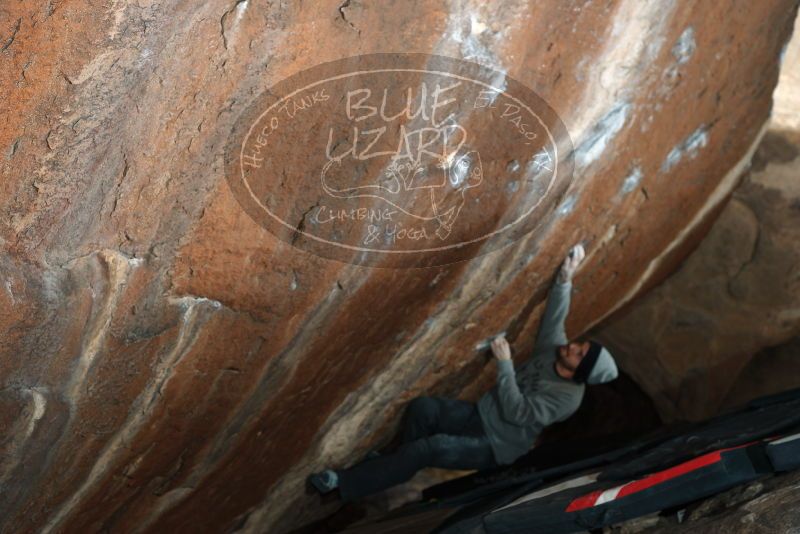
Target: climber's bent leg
(426,416)
(440,450)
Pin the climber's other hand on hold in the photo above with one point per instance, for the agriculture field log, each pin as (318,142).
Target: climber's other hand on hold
(571,263)
(501,348)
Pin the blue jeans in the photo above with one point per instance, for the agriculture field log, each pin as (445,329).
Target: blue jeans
(436,432)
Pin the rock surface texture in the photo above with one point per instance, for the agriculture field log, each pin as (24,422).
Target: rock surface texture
(725,328)
(168,365)
(737,294)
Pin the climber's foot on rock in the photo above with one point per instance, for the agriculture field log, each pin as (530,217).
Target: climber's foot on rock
(325,483)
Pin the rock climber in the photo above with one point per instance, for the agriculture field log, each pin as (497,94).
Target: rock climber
(504,424)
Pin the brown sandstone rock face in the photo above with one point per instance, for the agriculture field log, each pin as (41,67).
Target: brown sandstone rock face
(167,364)
(724,328)
(771,370)
(737,294)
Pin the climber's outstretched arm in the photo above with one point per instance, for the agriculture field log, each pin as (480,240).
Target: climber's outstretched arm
(551,328)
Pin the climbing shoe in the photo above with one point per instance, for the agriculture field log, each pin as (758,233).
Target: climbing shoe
(324,482)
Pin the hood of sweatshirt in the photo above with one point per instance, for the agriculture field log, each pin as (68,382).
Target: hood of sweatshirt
(604,370)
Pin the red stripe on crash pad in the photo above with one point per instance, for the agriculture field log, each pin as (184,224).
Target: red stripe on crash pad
(585,501)
(673,472)
(589,500)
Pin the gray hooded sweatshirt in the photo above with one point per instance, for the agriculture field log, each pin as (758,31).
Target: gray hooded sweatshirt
(516,410)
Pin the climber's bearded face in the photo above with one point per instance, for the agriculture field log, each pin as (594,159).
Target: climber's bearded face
(569,356)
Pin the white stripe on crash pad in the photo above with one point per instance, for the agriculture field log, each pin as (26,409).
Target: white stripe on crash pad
(608,495)
(785,439)
(549,490)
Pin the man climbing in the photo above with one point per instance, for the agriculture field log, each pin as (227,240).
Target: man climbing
(504,424)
